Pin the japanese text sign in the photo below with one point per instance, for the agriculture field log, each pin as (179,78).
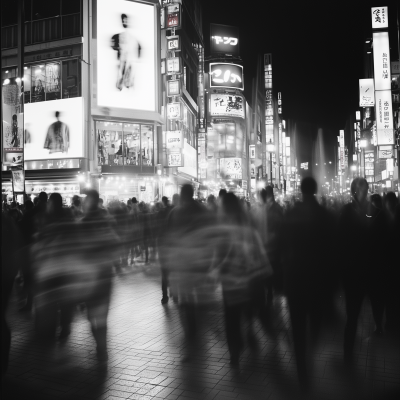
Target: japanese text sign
(226,75)
(173,43)
(379,17)
(174,111)
(224,39)
(174,139)
(381,61)
(173,88)
(173,16)
(367,98)
(384,117)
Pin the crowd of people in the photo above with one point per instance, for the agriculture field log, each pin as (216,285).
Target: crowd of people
(305,250)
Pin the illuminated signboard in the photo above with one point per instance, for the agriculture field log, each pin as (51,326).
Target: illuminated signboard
(224,104)
(231,168)
(175,159)
(379,17)
(173,43)
(174,139)
(224,39)
(381,61)
(366,92)
(173,16)
(226,75)
(174,111)
(174,66)
(173,87)
(126,55)
(384,117)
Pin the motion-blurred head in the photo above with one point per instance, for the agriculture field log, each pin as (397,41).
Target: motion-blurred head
(359,190)
(91,202)
(308,188)
(186,194)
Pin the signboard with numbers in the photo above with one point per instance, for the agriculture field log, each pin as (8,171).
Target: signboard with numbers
(173,43)
(173,16)
(226,75)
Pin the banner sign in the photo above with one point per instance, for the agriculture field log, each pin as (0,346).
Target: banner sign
(385,152)
(173,16)
(175,159)
(226,75)
(173,43)
(384,117)
(379,17)
(174,66)
(369,162)
(173,88)
(18,180)
(224,39)
(381,61)
(174,111)
(342,149)
(224,104)
(174,139)
(252,151)
(366,92)
(231,168)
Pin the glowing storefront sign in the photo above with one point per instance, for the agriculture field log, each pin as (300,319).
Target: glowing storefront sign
(226,75)
(379,17)
(384,117)
(227,105)
(381,61)
(366,92)
(224,39)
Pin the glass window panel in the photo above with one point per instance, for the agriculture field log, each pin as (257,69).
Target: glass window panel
(70,6)
(53,84)
(28,10)
(45,9)
(38,83)
(9,13)
(230,137)
(109,143)
(132,144)
(27,85)
(71,79)
(147,144)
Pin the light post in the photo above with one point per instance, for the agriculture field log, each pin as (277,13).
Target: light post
(270,149)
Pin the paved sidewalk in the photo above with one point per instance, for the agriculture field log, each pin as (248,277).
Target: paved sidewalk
(148,355)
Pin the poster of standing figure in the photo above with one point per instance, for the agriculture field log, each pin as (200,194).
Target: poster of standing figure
(126,61)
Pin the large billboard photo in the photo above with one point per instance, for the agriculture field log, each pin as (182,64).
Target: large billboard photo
(54,129)
(226,105)
(126,55)
(226,75)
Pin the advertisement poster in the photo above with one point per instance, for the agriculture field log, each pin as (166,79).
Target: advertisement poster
(175,159)
(190,160)
(54,129)
(224,104)
(126,55)
(173,16)
(174,139)
(13,140)
(231,168)
(18,180)
(174,111)
(226,75)
(367,92)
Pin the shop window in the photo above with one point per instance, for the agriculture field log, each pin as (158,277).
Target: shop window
(27,85)
(109,142)
(132,144)
(53,84)
(38,83)
(147,137)
(71,79)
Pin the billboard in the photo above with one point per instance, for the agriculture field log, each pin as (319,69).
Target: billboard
(174,139)
(381,60)
(231,168)
(366,92)
(379,17)
(54,129)
(224,39)
(224,104)
(126,55)
(384,117)
(189,160)
(226,75)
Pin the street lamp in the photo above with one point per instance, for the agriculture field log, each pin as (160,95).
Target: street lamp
(270,149)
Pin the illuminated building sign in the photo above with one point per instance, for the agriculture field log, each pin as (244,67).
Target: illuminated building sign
(173,43)
(174,111)
(384,117)
(173,16)
(366,92)
(379,17)
(229,105)
(226,75)
(173,88)
(224,39)
(381,61)
(174,66)
(174,139)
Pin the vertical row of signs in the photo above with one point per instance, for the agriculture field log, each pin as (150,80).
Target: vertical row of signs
(202,152)
(382,77)
(269,107)
(171,20)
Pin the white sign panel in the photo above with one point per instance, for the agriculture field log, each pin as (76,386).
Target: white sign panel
(379,17)
(175,159)
(226,75)
(252,151)
(224,104)
(231,168)
(385,152)
(55,129)
(174,139)
(381,61)
(174,110)
(190,160)
(366,92)
(126,55)
(384,117)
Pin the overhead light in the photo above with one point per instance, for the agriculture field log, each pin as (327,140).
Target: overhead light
(368,41)
(7,72)
(6,81)
(368,52)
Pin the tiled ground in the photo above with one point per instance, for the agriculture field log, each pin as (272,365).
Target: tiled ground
(149,357)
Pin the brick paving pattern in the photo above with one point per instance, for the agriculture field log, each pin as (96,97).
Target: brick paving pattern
(149,356)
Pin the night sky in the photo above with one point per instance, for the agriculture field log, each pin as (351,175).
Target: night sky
(317,52)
